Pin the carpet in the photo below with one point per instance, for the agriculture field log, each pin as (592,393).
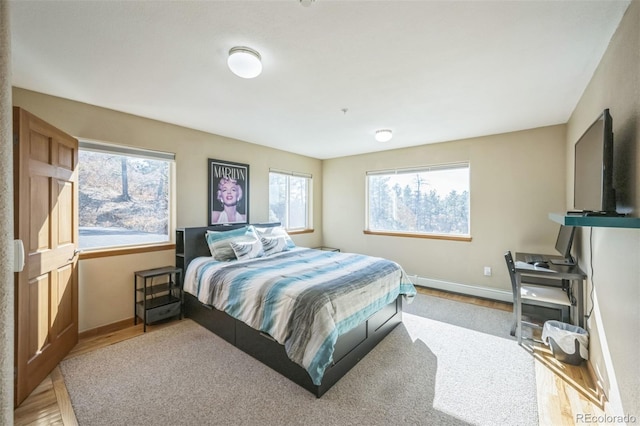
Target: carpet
(449,363)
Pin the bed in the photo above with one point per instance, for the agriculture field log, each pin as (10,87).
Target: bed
(259,302)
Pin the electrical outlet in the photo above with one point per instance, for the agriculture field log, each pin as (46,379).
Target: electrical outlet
(487,271)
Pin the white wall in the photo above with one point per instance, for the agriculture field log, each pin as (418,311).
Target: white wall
(516,180)
(614,275)
(106,284)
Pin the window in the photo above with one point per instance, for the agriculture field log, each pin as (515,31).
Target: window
(290,199)
(124,196)
(427,200)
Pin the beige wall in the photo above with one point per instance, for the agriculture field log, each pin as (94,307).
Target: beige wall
(516,180)
(615,324)
(106,283)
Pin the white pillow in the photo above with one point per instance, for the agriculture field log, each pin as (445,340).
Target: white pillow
(220,241)
(276,231)
(247,249)
(273,245)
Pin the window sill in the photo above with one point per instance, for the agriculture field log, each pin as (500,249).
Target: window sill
(300,231)
(425,236)
(121,251)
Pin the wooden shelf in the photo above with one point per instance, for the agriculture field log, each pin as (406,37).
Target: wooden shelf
(596,221)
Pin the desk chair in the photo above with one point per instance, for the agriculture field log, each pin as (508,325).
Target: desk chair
(536,295)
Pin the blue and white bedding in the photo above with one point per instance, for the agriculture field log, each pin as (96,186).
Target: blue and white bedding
(303,298)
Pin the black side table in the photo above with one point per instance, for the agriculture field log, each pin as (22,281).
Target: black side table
(155,301)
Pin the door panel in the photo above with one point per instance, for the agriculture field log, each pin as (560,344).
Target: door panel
(39,223)
(65,157)
(45,184)
(39,147)
(63,298)
(38,302)
(65,209)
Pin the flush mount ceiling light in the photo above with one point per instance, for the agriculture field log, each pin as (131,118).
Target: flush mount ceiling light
(244,62)
(384,135)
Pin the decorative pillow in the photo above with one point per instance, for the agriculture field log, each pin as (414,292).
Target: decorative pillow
(220,241)
(276,231)
(274,244)
(247,249)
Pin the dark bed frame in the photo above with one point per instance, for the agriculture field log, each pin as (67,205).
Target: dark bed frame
(350,348)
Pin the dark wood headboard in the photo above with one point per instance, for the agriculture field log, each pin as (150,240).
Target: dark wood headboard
(191,242)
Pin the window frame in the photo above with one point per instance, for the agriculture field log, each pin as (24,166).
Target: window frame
(309,197)
(129,151)
(414,234)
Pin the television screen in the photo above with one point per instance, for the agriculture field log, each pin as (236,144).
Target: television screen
(593,174)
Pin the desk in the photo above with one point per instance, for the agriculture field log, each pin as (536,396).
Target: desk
(572,273)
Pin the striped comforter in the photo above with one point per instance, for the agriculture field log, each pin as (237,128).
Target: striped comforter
(303,298)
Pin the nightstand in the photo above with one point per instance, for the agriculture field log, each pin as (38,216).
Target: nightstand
(157,294)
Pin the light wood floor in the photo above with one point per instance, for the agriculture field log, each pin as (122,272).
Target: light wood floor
(565,392)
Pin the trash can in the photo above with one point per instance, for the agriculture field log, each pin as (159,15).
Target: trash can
(569,343)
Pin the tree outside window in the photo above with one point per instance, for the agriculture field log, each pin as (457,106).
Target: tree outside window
(429,200)
(123,199)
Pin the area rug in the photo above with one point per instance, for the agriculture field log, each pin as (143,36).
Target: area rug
(448,363)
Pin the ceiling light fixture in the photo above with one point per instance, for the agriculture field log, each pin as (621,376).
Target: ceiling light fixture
(244,62)
(384,135)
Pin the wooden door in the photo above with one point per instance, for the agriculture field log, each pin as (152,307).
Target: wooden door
(46,218)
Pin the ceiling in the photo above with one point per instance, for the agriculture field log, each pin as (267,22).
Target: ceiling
(333,72)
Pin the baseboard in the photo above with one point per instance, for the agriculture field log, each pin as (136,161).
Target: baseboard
(601,396)
(104,329)
(470,290)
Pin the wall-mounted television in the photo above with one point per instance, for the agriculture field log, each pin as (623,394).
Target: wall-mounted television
(593,173)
